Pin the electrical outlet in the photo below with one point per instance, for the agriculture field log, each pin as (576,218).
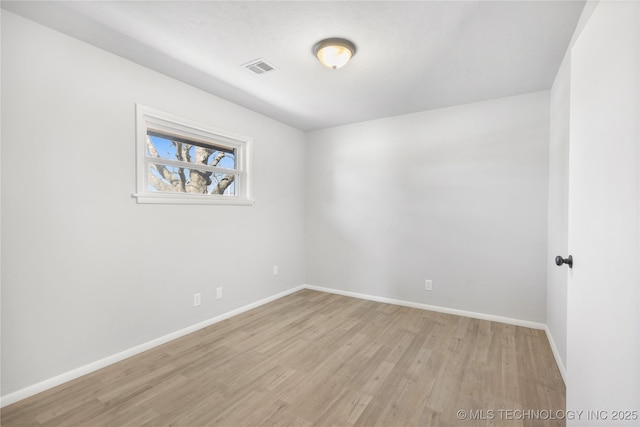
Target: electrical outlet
(428,285)
(275,270)
(196,300)
(219,293)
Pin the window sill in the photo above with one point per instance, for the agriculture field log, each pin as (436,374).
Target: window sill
(179,199)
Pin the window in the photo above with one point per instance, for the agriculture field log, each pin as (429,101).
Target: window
(180,161)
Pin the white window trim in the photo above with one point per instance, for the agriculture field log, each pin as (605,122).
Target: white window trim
(159,121)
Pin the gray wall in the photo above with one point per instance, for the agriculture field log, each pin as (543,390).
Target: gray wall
(457,195)
(86,272)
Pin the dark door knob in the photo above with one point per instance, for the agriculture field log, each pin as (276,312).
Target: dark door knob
(568,261)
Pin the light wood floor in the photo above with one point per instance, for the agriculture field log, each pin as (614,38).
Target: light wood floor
(317,359)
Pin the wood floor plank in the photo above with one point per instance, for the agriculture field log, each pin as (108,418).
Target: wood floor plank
(318,359)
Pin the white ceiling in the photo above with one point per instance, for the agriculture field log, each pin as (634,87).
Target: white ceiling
(412,56)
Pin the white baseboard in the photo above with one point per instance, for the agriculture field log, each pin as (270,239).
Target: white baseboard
(556,355)
(472,314)
(110,360)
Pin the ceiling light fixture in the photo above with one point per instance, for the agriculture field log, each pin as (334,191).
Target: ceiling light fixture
(334,53)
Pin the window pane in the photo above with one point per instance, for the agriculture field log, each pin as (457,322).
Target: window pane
(172,179)
(180,161)
(223,184)
(168,147)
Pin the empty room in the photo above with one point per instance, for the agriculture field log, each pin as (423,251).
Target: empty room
(320,213)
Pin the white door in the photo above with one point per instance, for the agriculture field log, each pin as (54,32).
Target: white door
(603,330)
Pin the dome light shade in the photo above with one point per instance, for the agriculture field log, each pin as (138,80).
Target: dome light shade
(334,53)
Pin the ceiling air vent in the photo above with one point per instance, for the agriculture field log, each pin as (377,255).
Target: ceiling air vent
(259,66)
